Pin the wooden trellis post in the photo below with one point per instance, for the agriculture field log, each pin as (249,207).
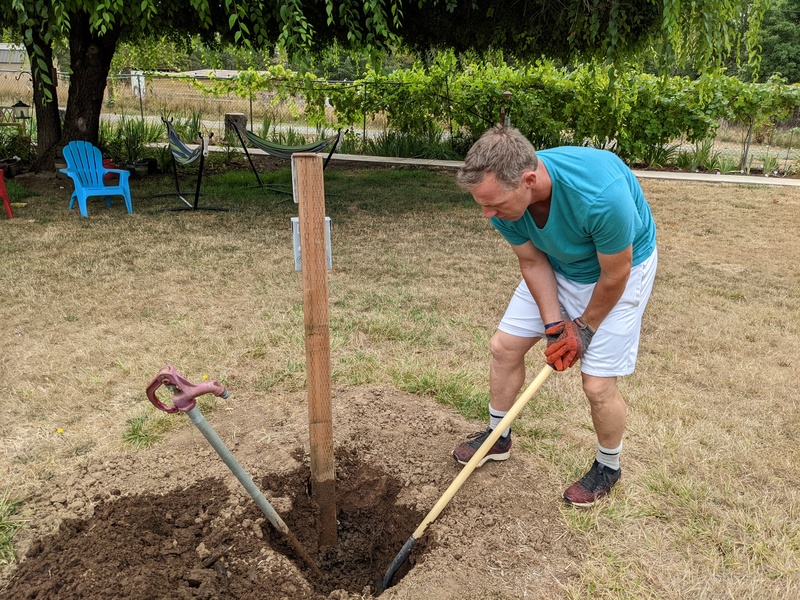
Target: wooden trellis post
(309,193)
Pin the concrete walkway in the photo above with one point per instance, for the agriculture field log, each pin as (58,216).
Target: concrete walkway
(455,164)
(674,175)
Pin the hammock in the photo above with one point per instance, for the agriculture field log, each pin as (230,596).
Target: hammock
(184,156)
(280,151)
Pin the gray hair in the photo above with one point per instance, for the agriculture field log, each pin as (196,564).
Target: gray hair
(503,151)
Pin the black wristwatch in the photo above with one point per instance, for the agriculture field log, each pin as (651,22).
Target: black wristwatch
(582,325)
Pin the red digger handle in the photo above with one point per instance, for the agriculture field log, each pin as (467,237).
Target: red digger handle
(184,392)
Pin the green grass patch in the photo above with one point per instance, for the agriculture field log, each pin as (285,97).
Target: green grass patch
(145,431)
(9,525)
(292,375)
(356,368)
(17,192)
(451,389)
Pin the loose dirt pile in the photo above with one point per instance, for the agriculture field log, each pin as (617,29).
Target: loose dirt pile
(172,522)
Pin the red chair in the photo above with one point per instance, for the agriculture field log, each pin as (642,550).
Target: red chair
(4,193)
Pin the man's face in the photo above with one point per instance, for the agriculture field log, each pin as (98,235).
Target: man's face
(497,201)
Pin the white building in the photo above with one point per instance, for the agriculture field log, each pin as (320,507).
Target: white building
(12,56)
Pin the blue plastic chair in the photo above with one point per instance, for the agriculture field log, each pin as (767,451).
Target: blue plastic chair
(85,168)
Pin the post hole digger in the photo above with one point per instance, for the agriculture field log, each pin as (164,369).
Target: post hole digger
(512,414)
(184,395)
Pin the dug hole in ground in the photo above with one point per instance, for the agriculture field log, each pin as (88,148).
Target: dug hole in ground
(173,522)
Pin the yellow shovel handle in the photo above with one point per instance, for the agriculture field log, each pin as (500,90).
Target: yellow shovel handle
(529,392)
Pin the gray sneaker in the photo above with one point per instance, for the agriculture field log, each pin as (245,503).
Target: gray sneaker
(467,449)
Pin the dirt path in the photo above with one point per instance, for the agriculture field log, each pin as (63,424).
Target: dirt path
(174,520)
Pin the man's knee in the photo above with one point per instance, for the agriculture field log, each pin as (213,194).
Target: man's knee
(600,390)
(507,348)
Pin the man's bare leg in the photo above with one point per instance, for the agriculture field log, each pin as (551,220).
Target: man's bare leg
(608,416)
(608,409)
(506,376)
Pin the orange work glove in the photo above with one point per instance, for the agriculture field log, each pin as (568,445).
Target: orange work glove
(551,332)
(567,341)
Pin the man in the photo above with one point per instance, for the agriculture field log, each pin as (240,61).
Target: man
(586,243)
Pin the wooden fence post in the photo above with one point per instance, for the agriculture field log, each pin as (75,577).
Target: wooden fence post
(309,193)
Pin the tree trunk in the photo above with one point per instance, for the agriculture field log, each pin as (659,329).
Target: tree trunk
(48,122)
(90,57)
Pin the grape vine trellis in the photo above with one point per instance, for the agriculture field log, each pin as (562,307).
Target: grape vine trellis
(637,116)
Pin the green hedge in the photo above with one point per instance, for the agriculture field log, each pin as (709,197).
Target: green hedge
(636,114)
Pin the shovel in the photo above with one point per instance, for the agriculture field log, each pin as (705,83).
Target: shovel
(184,393)
(401,557)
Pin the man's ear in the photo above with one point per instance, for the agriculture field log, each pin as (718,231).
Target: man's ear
(529,177)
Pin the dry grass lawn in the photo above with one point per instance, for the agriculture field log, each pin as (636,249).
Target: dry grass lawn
(710,501)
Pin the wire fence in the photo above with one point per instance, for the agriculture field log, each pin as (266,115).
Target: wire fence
(15,87)
(151,97)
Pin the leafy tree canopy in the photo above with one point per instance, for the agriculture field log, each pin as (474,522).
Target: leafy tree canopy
(780,42)
(705,30)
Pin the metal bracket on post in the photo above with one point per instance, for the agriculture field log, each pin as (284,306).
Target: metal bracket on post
(298,265)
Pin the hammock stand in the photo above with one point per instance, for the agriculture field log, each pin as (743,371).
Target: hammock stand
(183,155)
(285,152)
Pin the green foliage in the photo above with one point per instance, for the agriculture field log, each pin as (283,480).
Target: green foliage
(13,143)
(703,33)
(657,157)
(408,145)
(8,526)
(187,127)
(125,141)
(291,137)
(607,32)
(150,54)
(690,37)
(771,162)
(636,114)
(757,105)
(780,41)
(727,164)
(702,157)
(163,156)
(144,431)
(337,64)
(131,140)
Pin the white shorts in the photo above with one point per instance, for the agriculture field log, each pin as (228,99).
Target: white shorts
(615,345)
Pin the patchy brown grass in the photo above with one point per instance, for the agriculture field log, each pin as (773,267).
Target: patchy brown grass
(709,505)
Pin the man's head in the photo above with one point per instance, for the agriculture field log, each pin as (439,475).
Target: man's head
(503,151)
(500,173)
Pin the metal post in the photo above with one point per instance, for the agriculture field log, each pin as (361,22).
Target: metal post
(449,106)
(227,457)
(364,105)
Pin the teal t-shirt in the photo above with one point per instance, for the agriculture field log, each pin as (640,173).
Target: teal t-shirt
(597,205)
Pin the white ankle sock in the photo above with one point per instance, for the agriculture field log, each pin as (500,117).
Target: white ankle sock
(495,416)
(608,457)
